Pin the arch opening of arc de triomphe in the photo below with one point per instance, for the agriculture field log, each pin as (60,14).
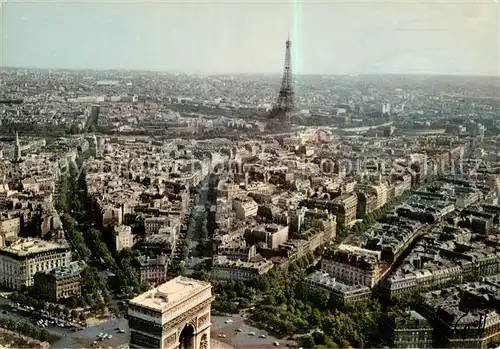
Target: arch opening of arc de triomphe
(175,315)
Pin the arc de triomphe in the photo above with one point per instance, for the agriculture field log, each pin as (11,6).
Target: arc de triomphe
(173,315)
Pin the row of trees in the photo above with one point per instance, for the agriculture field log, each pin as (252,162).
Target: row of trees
(353,327)
(179,262)
(86,242)
(126,272)
(370,219)
(75,237)
(72,191)
(231,297)
(201,224)
(95,294)
(211,223)
(52,308)
(204,236)
(9,339)
(27,329)
(124,266)
(72,202)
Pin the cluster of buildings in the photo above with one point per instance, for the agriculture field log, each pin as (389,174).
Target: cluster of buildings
(422,166)
(33,249)
(140,193)
(136,188)
(461,248)
(25,257)
(260,222)
(61,102)
(275,204)
(465,315)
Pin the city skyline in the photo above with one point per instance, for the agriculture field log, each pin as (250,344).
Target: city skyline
(248,38)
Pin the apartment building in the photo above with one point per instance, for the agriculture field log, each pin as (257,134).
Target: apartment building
(494,181)
(242,253)
(346,209)
(10,225)
(231,270)
(123,237)
(245,208)
(402,185)
(20,261)
(152,225)
(465,316)
(191,179)
(111,215)
(352,267)
(340,293)
(228,190)
(428,268)
(153,270)
(378,190)
(306,242)
(4,193)
(59,283)
(466,198)
(407,329)
(321,220)
(273,235)
(367,203)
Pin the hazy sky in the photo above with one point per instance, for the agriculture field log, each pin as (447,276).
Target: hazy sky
(329,37)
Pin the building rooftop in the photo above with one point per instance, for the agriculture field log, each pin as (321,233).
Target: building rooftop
(171,293)
(223,261)
(465,304)
(147,261)
(409,319)
(327,281)
(73,269)
(28,246)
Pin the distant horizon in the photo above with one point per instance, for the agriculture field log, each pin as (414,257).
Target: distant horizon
(279,74)
(233,37)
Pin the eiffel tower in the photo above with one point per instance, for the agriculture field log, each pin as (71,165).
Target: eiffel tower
(284,104)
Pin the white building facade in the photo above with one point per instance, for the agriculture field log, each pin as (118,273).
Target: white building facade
(20,261)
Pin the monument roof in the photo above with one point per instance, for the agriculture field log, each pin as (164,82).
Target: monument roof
(171,293)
